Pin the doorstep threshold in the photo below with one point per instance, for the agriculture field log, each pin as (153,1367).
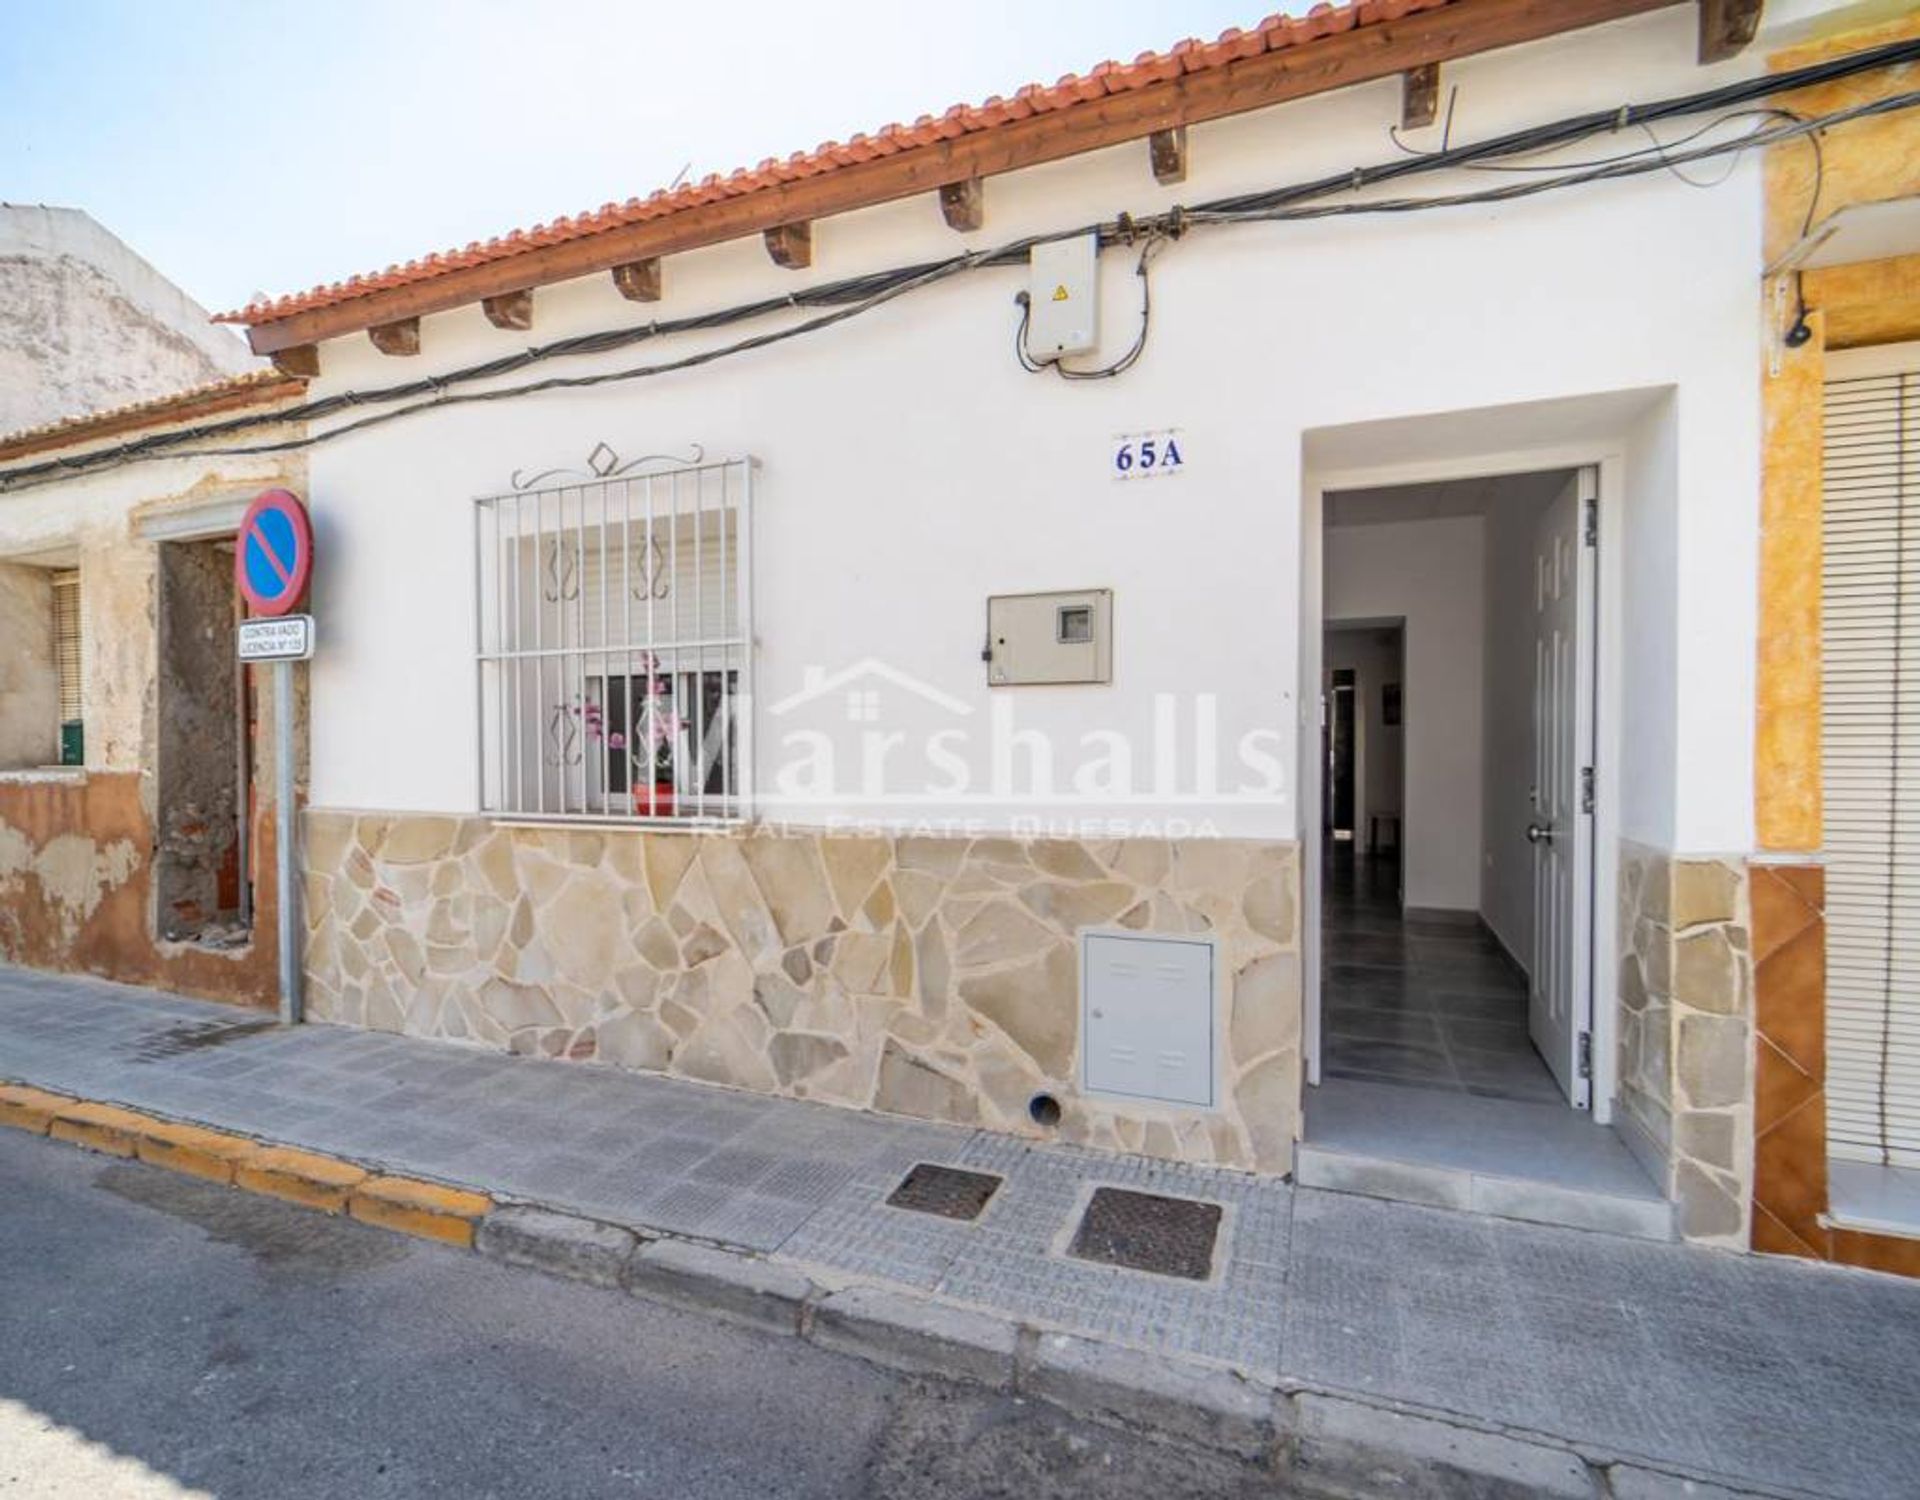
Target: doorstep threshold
(1532,1201)
(1542,1163)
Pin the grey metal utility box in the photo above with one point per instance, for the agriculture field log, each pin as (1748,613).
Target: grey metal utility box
(1050,638)
(1147,1013)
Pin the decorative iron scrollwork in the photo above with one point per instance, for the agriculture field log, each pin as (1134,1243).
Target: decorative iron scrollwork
(603,463)
(563,738)
(562,570)
(655,580)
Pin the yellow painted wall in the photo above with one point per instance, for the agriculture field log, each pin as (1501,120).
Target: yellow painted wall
(1863,161)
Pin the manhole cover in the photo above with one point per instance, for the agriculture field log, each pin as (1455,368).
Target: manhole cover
(946,1191)
(1145,1232)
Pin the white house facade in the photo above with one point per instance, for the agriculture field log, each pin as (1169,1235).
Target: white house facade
(844,702)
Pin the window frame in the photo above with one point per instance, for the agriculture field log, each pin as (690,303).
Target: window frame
(657,501)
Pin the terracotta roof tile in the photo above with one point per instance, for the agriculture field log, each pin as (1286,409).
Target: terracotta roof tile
(256,386)
(1189,56)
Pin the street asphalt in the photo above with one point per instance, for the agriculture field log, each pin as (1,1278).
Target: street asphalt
(163,1336)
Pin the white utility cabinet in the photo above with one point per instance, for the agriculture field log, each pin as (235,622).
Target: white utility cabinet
(1063,301)
(1147,1016)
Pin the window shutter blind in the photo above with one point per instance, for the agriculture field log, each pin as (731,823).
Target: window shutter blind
(1870,748)
(66,642)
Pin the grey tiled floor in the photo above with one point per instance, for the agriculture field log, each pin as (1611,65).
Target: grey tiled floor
(1793,1376)
(1426,1002)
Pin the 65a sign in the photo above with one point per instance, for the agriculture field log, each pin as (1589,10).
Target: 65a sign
(1148,455)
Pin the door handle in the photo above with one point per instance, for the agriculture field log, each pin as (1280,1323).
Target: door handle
(1539,833)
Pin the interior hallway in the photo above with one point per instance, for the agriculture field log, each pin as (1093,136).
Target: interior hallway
(1419,1001)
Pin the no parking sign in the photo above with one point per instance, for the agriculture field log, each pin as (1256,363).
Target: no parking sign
(273,558)
(272,561)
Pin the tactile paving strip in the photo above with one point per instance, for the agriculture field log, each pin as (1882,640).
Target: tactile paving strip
(947,1191)
(1148,1232)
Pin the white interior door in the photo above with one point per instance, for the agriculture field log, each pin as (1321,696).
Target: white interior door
(1559,1011)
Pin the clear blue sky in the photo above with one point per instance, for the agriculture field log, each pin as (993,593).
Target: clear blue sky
(267,146)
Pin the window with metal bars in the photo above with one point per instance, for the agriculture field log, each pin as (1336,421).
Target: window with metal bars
(615,621)
(1870,753)
(66,661)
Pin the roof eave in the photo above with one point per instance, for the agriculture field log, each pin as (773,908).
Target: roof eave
(240,394)
(1363,53)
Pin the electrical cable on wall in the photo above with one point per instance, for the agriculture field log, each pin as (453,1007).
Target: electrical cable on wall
(850,298)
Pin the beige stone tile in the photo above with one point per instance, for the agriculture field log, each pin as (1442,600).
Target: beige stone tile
(1036,1004)
(1707,973)
(999,932)
(1704,891)
(789,874)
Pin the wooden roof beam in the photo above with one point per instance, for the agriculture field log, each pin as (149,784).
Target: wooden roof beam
(1167,152)
(791,245)
(402,336)
(638,280)
(1419,97)
(302,360)
(1726,26)
(510,310)
(1462,29)
(964,204)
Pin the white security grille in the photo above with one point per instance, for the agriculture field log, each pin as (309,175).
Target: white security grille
(615,622)
(1870,754)
(66,642)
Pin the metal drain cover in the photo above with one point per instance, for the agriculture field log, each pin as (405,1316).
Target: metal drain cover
(1146,1232)
(946,1191)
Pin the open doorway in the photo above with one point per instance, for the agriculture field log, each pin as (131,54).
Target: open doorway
(1363,760)
(1457,620)
(1458,654)
(202,865)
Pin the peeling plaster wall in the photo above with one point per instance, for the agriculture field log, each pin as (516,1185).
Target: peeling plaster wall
(76,891)
(76,848)
(29,682)
(86,324)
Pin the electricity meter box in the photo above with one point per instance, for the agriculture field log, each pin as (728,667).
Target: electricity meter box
(1062,300)
(1043,638)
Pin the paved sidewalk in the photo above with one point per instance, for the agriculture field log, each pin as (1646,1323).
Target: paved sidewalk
(1775,1375)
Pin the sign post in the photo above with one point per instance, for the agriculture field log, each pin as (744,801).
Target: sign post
(272,561)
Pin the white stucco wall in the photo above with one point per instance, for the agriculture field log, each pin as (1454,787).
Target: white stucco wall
(910,468)
(1430,574)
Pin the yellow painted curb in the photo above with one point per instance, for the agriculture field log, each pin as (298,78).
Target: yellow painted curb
(302,1177)
(192,1149)
(33,1109)
(425,1209)
(101,1127)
